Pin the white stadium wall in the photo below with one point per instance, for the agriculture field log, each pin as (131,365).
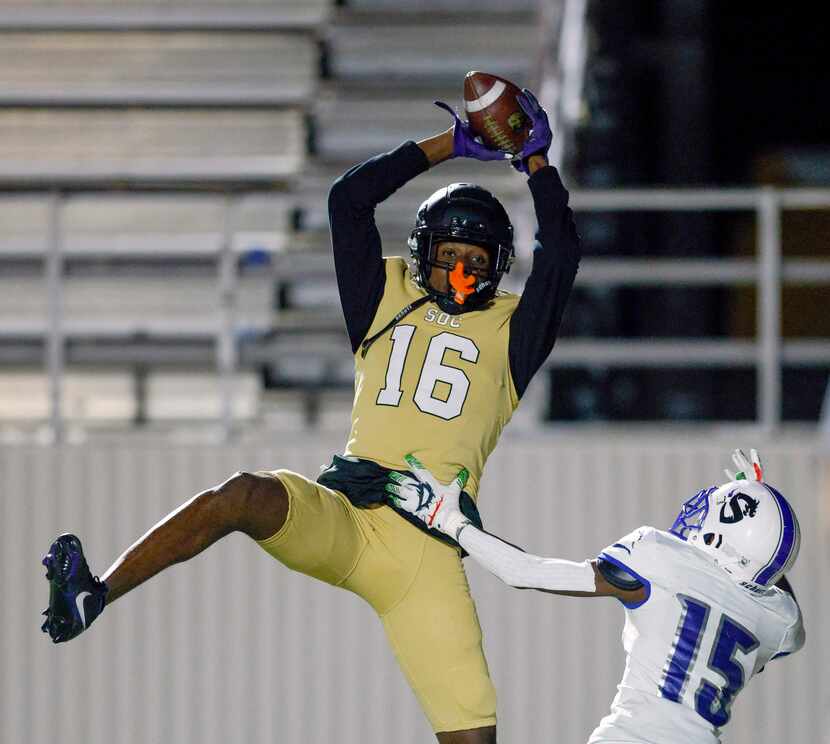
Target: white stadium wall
(234,648)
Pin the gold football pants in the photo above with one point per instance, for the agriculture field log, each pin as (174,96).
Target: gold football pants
(414,582)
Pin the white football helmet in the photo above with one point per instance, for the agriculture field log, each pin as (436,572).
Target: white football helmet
(746,526)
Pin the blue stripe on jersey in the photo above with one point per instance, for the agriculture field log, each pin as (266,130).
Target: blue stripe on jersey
(785,544)
(645,582)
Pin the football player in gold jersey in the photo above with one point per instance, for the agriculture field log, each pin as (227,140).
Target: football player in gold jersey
(442,358)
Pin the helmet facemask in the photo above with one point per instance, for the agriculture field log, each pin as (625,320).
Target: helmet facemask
(462,213)
(467,289)
(692,514)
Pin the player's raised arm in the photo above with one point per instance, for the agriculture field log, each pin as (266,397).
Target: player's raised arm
(358,256)
(535,323)
(437,506)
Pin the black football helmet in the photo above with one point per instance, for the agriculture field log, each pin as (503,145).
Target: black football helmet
(464,213)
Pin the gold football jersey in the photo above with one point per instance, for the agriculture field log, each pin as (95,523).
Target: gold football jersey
(435,384)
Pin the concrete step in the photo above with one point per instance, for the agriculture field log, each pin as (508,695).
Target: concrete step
(104,145)
(163,14)
(433,7)
(356,121)
(94,396)
(134,68)
(146,226)
(400,48)
(157,304)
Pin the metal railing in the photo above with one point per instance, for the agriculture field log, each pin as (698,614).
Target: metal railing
(768,272)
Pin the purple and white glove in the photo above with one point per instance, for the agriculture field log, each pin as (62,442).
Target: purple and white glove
(538,142)
(464,143)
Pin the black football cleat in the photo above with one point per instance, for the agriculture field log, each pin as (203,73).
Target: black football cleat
(76,597)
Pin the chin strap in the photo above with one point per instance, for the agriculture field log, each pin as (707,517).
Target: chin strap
(402,313)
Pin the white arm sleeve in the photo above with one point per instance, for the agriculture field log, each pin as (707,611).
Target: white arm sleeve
(524,570)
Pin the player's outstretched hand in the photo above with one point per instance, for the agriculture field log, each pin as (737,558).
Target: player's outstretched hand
(435,504)
(538,142)
(748,469)
(464,142)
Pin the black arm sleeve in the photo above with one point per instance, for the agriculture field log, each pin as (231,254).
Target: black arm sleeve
(535,322)
(358,259)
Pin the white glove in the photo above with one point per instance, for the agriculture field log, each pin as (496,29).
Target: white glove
(747,470)
(435,504)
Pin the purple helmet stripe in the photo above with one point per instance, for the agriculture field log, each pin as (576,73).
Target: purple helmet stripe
(785,543)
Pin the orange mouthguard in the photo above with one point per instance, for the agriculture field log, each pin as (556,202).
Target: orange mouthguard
(463,285)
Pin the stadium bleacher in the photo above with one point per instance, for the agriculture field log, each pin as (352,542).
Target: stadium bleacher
(146,119)
(145,225)
(163,14)
(387,65)
(151,118)
(105,146)
(105,397)
(177,67)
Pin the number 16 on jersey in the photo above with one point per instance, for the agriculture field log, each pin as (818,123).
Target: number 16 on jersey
(433,371)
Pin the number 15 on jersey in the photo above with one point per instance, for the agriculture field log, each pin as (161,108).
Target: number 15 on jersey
(712,701)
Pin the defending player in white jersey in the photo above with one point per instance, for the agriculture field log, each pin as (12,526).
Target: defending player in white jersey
(707,603)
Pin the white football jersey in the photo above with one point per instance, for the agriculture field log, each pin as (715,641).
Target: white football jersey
(692,645)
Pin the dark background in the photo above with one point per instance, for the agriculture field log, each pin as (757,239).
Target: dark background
(695,93)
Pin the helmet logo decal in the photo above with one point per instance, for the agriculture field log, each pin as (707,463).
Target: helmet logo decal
(740,505)
(461,283)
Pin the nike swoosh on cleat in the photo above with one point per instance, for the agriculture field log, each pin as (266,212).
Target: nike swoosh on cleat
(79,603)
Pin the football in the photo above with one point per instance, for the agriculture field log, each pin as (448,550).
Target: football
(493,111)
